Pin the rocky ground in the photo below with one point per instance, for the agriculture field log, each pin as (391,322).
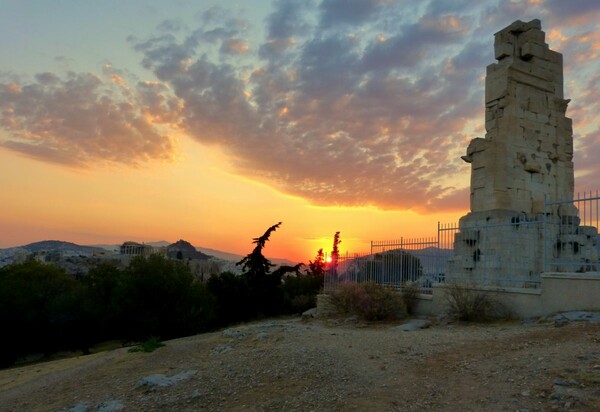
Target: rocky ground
(326,365)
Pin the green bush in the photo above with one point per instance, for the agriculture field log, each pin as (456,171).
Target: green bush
(149,345)
(232,298)
(466,303)
(160,297)
(300,292)
(40,311)
(101,304)
(368,300)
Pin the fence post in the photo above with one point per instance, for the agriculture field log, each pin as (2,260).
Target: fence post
(544,243)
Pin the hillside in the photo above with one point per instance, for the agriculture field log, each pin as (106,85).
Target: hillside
(290,365)
(48,245)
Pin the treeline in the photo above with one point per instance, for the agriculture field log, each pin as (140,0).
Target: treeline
(44,310)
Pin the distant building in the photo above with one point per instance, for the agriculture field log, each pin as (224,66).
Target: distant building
(139,249)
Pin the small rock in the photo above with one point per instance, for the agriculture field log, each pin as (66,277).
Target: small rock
(525,393)
(233,333)
(413,325)
(309,314)
(110,406)
(80,407)
(162,381)
(221,349)
(262,336)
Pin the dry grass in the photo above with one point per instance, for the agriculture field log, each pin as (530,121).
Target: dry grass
(468,304)
(369,301)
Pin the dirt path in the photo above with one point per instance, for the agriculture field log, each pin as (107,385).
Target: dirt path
(290,365)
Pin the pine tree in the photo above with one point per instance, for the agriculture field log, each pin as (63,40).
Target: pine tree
(317,267)
(335,252)
(255,265)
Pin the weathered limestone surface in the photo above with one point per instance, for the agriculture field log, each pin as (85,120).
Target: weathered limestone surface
(528,148)
(526,156)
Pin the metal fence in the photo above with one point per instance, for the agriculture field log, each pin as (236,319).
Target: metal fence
(392,263)
(512,251)
(571,242)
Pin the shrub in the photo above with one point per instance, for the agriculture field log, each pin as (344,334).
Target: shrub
(410,294)
(466,303)
(300,292)
(232,298)
(149,345)
(160,297)
(40,310)
(368,300)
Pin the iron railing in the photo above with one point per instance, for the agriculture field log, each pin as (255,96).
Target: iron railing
(510,254)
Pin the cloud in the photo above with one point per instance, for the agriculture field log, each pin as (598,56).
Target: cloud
(287,20)
(348,102)
(573,11)
(354,12)
(79,120)
(234,46)
(347,108)
(171,26)
(330,115)
(410,48)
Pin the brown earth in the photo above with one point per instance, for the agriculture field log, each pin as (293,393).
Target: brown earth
(291,365)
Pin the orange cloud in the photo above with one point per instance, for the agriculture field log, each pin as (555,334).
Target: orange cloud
(79,120)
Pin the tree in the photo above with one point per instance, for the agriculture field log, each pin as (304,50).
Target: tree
(255,265)
(160,297)
(263,287)
(317,267)
(40,310)
(232,296)
(284,269)
(101,305)
(335,252)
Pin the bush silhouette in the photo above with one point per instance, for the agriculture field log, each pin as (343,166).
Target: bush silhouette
(368,300)
(160,297)
(40,310)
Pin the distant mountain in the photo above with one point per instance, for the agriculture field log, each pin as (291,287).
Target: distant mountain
(46,245)
(185,250)
(203,252)
(220,254)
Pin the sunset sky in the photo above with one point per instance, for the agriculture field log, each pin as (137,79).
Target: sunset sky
(210,121)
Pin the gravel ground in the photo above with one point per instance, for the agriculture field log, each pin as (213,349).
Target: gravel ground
(326,365)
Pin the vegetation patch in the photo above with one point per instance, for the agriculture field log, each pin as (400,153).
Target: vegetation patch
(49,313)
(369,301)
(149,345)
(468,304)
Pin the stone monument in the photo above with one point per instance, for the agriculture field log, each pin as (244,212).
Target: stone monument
(524,162)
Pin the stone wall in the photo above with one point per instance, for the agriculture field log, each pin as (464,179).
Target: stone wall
(560,292)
